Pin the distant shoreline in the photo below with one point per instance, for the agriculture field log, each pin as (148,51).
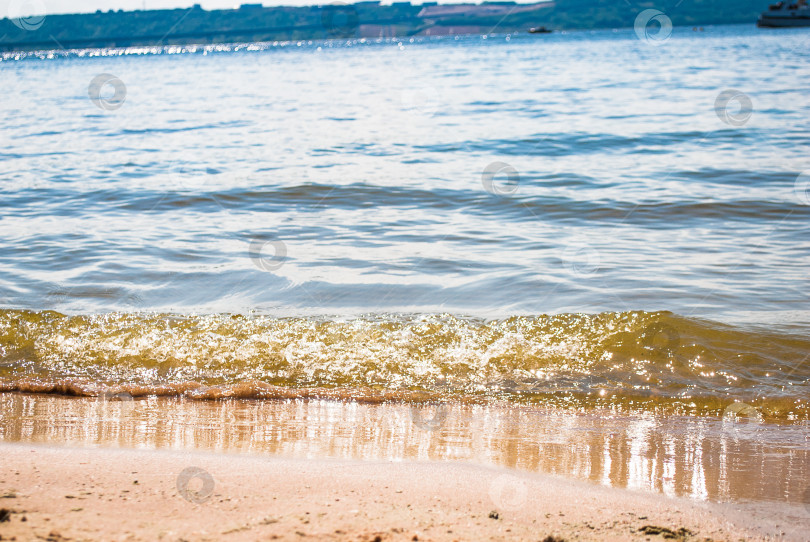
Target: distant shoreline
(255,23)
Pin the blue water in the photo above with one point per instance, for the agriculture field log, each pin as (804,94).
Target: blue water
(346,177)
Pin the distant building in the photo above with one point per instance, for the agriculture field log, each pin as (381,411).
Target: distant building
(251,7)
(478,10)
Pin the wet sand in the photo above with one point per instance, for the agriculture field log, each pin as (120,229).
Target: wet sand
(346,471)
(107,494)
(701,458)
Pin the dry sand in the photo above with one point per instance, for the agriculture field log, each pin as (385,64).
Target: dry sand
(119,494)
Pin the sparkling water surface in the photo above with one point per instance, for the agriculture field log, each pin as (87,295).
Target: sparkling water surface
(346,177)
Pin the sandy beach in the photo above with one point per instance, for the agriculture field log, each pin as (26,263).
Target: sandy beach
(404,272)
(59,493)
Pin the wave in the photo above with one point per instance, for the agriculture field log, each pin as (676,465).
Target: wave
(538,197)
(647,361)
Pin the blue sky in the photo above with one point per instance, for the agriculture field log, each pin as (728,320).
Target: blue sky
(78,6)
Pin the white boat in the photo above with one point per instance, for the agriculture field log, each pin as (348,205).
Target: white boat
(783,14)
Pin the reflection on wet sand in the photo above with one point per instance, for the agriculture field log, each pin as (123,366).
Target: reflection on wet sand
(702,458)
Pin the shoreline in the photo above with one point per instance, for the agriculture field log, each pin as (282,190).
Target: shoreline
(92,494)
(702,459)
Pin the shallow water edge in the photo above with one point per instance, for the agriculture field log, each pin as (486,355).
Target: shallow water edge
(705,459)
(634,361)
